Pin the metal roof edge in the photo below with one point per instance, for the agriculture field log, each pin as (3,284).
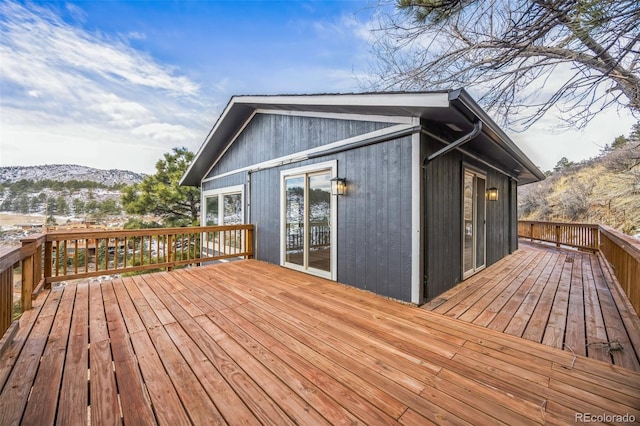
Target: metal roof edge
(465,98)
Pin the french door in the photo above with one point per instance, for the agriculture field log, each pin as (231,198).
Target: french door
(308,240)
(473,222)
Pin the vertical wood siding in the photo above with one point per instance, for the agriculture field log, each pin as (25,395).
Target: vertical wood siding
(373,218)
(443,221)
(270,136)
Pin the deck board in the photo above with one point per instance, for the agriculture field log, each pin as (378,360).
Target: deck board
(565,299)
(250,343)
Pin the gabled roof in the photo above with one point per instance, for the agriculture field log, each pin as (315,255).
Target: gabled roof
(451,113)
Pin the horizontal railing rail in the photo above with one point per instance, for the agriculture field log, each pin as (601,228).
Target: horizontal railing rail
(623,254)
(67,255)
(579,235)
(621,251)
(82,254)
(29,259)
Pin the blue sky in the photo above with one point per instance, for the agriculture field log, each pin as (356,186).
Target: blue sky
(112,84)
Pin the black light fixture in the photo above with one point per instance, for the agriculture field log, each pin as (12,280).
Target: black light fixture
(492,194)
(338,186)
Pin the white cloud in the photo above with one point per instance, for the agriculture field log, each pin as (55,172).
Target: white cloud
(164,131)
(88,91)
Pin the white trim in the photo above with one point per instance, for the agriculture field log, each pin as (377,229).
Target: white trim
(226,148)
(303,155)
(220,192)
(417,264)
(339,116)
(311,168)
(477,173)
(424,100)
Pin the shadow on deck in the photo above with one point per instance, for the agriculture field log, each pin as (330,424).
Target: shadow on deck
(248,342)
(563,298)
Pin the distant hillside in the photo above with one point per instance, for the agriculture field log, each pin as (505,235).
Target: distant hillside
(67,172)
(63,190)
(604,190)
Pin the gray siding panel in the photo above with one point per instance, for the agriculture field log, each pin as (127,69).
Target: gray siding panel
(265,214)
(270,136)
(231,180)
(443,221)
(498,218)
(374,217)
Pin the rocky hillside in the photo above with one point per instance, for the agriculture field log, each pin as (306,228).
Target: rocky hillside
(63,192)
(604,190)
(67,172)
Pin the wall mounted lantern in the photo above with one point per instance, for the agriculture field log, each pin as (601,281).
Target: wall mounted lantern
(492,194)
(338,186)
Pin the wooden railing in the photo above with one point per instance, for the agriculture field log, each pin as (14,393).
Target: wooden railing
(67,255)
(623,254)
(621,251)
(29,259)
(580,235)
(81,254)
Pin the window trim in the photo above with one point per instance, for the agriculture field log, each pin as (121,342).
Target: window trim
(331,166)
(220,193)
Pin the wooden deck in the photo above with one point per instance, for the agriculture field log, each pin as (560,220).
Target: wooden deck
(248,343)
(566,299)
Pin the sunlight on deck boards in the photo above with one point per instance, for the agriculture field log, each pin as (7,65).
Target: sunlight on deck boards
(561,298)
(248,342)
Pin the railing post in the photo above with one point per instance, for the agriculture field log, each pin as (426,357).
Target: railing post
(531,234)
(48,259)
(27,282)
(170,255)
(558,236)
(248,244)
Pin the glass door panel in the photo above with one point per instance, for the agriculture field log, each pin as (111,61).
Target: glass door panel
(294,219)
(307,222)
(468,228)
(473,226)
(319,237)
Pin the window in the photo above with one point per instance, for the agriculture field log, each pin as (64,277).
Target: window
(224,206)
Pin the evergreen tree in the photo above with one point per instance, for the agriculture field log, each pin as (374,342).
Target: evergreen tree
(161,195)
(619,142)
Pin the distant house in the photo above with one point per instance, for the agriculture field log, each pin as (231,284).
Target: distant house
(429,186)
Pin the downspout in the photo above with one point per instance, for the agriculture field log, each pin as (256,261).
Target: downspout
(248,200)
(477,128)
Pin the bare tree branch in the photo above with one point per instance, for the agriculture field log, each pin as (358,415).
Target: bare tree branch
(525,57)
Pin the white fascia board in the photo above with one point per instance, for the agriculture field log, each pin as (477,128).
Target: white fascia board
(206,141)
(424,100)
(226,148)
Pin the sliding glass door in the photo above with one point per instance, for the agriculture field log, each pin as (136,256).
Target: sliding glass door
(473,222)
(307,234)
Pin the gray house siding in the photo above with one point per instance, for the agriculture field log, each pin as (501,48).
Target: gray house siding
(223,182)
(269,136)
(499,221)
(443,210)
(373,218)
(443,221)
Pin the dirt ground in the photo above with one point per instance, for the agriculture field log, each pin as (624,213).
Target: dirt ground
(11,219)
